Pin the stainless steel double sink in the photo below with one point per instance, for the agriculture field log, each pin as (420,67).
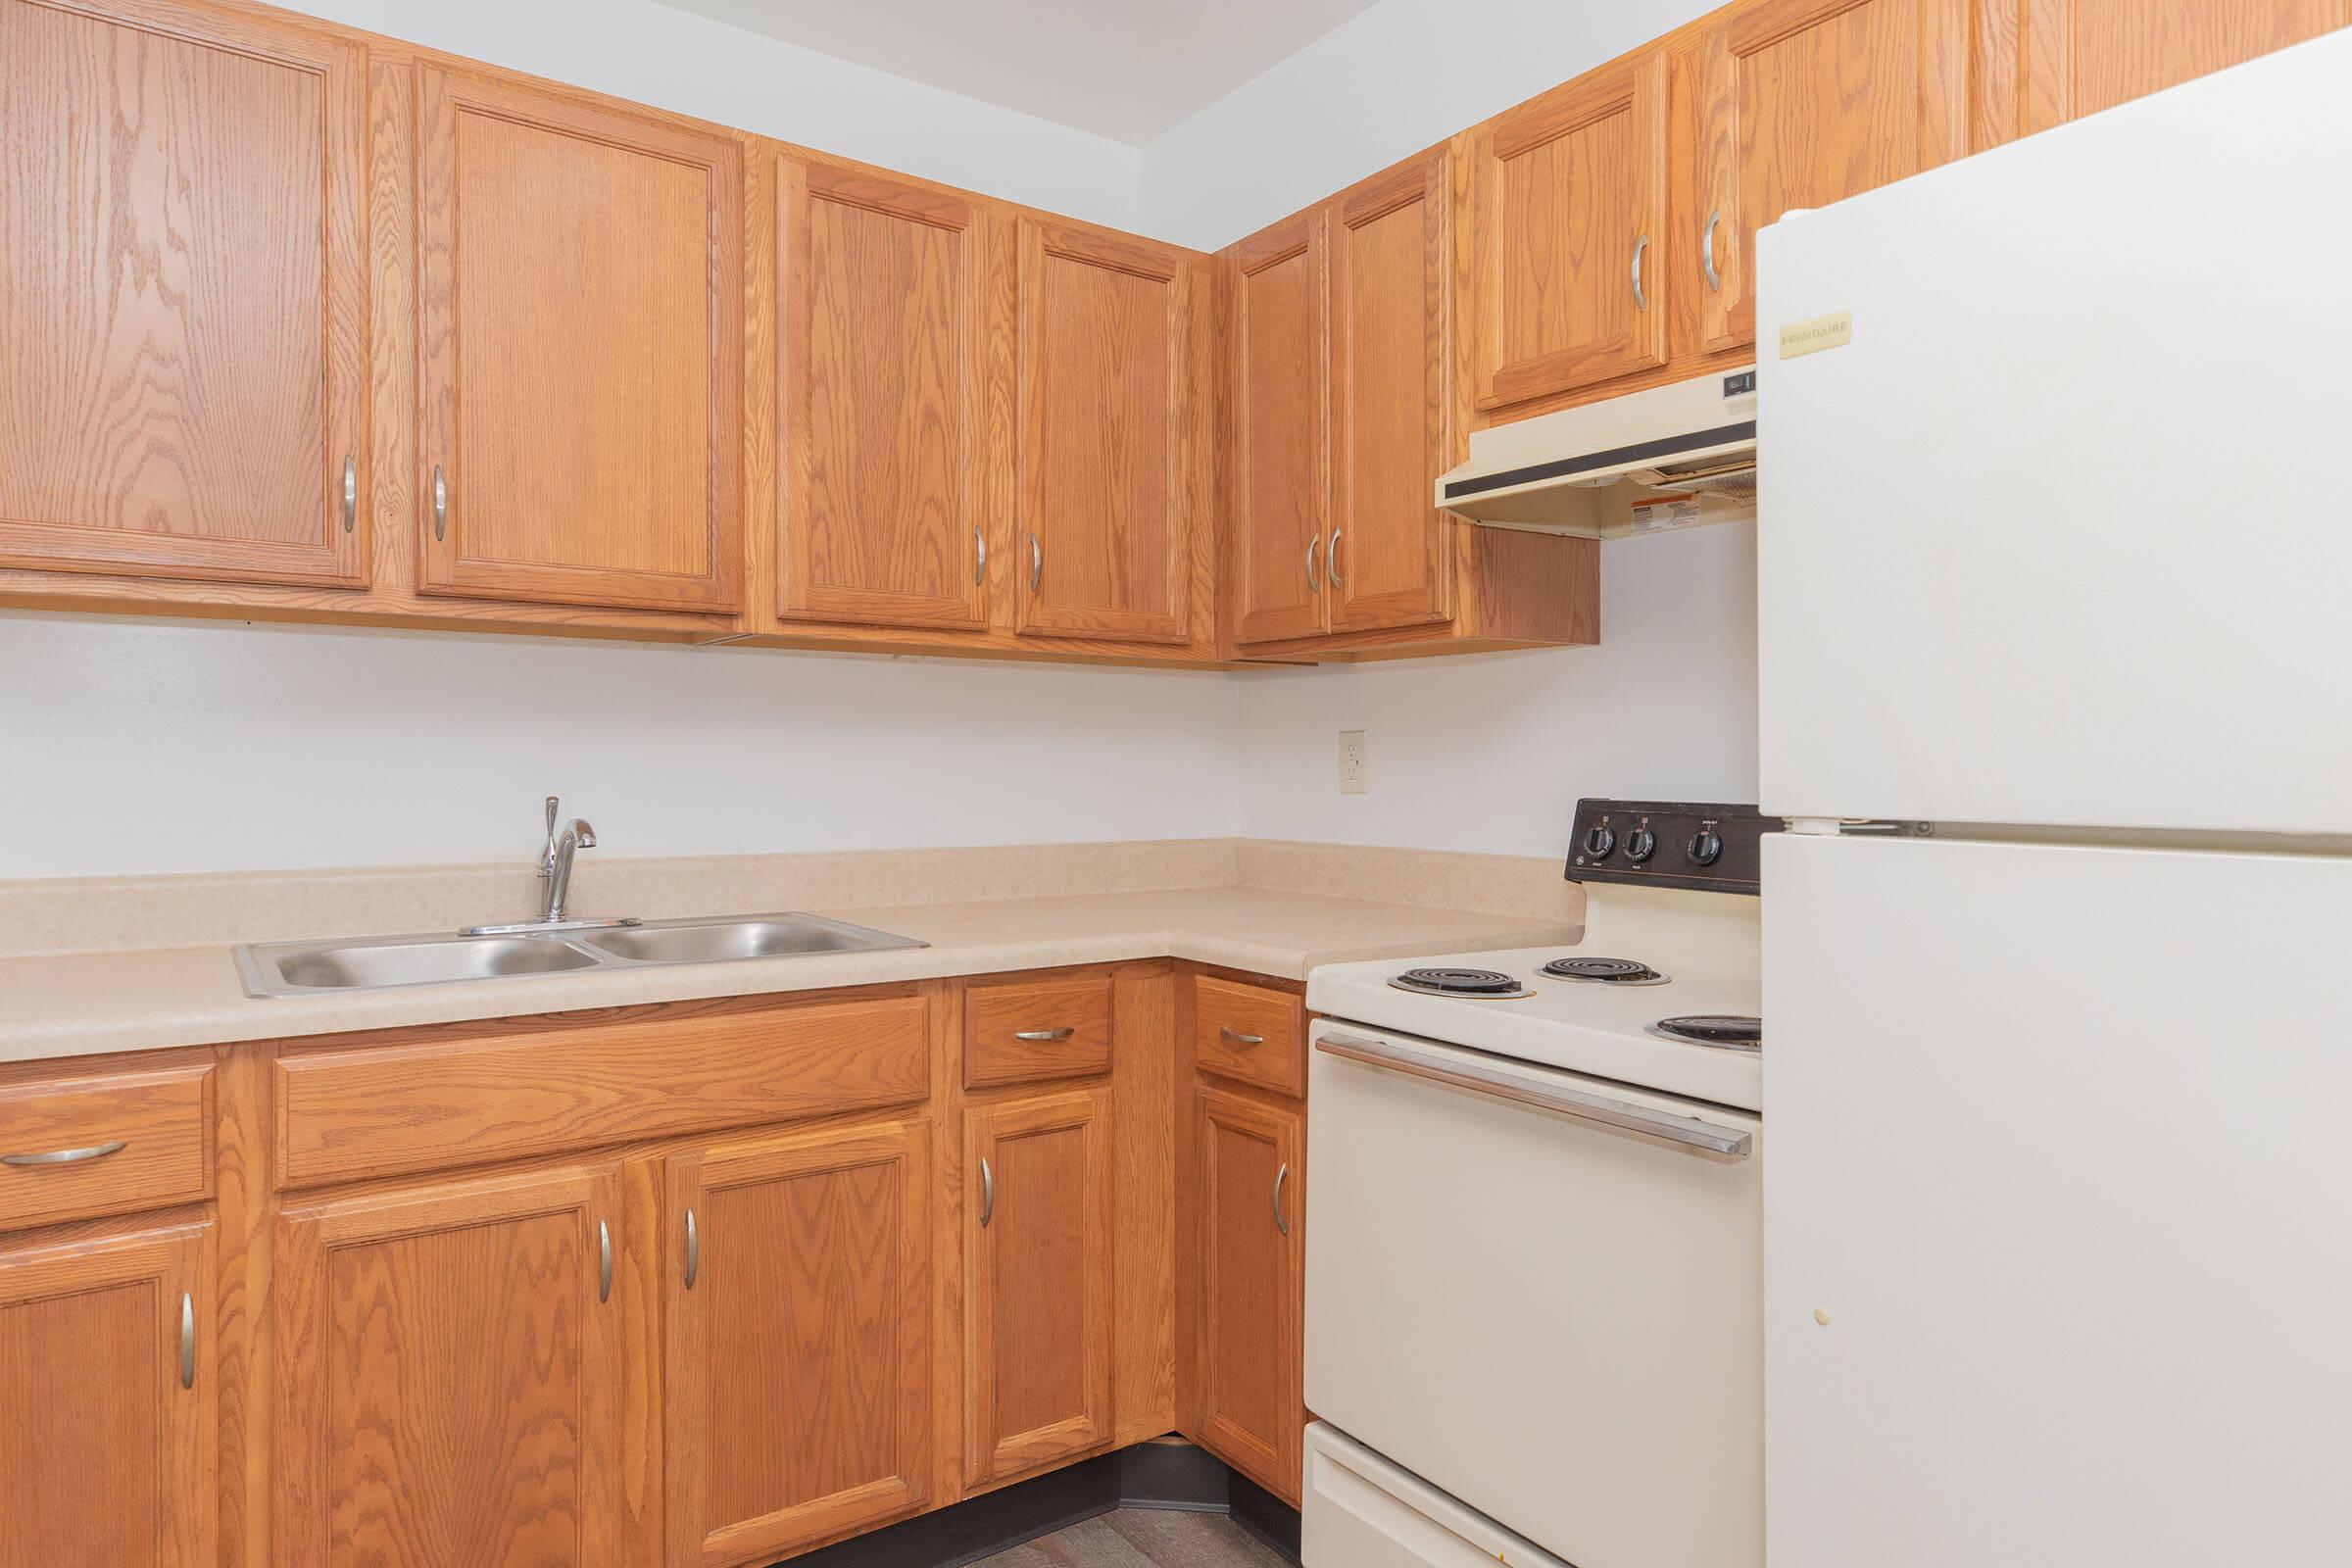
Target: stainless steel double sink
(379,964)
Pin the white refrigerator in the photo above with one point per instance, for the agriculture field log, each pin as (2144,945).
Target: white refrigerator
(2055,553)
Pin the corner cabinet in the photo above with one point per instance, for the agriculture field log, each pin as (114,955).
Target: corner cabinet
(183,293)
(579,423)
(1253,1281)
(108,1378)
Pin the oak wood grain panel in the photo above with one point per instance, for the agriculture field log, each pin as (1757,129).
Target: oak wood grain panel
(1252,1286)
(589,431)
(1147,1103)
(182,288)
(1801,103)
(1569,186)
(448,1382)
(882,365)
(1278,281)
(800,1360)
(464,1097)
(997,1014)
(2083,56)
(1392,241)
(1108,505)
(243,1261)
(105,1457)
(163,1118)
(1254,1034)
(1037,1281)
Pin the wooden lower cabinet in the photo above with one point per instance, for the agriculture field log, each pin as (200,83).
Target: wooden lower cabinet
(798,1345)
(1036,1281)
(450,1374)
(108,1376)
(1252,1268)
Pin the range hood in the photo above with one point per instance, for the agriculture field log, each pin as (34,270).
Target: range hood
(1674,457)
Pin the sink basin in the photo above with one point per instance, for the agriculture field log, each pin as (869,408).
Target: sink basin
(379,964)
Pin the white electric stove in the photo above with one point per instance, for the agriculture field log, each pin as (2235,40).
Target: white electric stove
(1534,1329)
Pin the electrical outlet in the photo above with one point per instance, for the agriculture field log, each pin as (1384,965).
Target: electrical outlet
(1351,762)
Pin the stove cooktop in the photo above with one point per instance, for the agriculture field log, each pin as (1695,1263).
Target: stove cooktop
(1487,984)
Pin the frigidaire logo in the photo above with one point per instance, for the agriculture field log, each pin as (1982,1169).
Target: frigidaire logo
(1800,338)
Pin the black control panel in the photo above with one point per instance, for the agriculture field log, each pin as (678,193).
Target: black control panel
(1669,844)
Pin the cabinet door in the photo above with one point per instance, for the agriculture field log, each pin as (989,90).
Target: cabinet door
(1036,1281)
(2083,56)
(450,1374)
(1569,190)
(1800,103)
(107,1379)
(1252,1283)
(1105,437)
(798,1389)
(881,364)
(1390,431)
(1280,402)
(182,296)
(579,350)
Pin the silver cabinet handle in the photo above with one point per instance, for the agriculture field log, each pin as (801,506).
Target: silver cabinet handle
(1707,252)
(67,1156)
(1037,563)
(351,491)
(1619,1115)
(1282,1221)
(1331,558)
(1228,1032)
(603,1262)
(1640,249)
(988,1193)
(694,1252)
(440,503)
(1314,582)
(980,558)
(1043,1034)
(188,1340)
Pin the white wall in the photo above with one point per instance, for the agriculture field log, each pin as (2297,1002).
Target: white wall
(133,747)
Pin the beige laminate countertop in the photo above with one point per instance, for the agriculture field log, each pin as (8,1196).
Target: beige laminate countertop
(90,1004)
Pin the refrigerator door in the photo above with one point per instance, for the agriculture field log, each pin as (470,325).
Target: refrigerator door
(2061,534)
(2058,1206)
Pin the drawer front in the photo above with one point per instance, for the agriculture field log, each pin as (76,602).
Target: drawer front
(350,1114)
(58,1138)
(1036,1029)
(1250,1033)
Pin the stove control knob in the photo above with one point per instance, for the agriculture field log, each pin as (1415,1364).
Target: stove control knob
(1639,845)
(1706,847)
(1601,842)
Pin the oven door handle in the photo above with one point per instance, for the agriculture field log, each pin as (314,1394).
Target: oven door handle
(1618,1115)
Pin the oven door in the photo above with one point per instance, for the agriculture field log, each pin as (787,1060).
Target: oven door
(1541,1293)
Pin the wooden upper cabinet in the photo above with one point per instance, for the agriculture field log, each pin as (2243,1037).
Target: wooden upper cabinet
(1568,194)
(1037,1282)
(579,350)
(449,1375)
(800,1366)
(1108,438)
(182,296)
(1800,103)
(1252,1282)
(1387,558)
(2083,56)
(108,1378)
(882,356)
(1280,473)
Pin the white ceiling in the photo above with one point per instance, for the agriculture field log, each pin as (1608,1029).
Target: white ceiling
(1123,68)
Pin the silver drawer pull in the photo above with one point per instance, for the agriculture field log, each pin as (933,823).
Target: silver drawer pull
(440,503)
(188,1340)
(603,1262)
(1228,1032)
(1043,1034)
(1640,249)
(1331,558)
(694,1252)
(1282,1221)
(351,491)
(1622,1115)
(1314,583)
(67,1156)
(1707,251)
(988,1193)
(1037,564)
(980,561)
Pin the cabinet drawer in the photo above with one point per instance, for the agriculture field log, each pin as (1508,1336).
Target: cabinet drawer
(1034,1029)
(74,1147)
(1251,1033)
(459,1098)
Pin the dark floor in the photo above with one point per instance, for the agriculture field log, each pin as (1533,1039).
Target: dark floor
(1144,1538)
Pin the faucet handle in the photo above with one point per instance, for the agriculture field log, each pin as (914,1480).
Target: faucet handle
(546,851)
